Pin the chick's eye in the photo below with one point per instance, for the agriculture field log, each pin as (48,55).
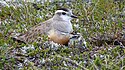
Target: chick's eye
(63,13)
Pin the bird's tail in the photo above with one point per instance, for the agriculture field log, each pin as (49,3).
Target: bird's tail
(17,38)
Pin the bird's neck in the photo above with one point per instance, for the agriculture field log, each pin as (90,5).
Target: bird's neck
(62,18)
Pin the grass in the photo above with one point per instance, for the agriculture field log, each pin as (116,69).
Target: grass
(101,23)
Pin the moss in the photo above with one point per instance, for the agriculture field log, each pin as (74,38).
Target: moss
(101,23)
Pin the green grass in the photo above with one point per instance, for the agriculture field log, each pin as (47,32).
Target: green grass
(101,23)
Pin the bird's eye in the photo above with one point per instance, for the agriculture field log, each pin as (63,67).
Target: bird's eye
(63,13)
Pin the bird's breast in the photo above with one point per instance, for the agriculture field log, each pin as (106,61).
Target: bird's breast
(69,27)
(59,38)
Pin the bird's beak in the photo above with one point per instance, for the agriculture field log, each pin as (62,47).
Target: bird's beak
(73,16)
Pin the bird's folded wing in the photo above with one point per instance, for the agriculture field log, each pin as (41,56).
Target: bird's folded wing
(34,34)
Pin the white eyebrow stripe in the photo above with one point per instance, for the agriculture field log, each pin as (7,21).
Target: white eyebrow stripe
(59,11)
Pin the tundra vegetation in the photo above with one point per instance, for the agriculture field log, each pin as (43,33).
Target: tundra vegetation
(100,22)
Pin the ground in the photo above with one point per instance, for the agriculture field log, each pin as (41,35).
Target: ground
(100,22)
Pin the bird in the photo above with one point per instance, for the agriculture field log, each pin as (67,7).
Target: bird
(58,28)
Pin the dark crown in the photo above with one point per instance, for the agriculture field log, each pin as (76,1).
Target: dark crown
(64,9)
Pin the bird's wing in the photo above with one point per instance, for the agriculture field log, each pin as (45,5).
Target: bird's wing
(35,33)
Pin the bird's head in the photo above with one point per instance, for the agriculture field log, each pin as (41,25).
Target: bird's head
(65,14)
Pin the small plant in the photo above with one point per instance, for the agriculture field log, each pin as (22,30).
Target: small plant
(101,23)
